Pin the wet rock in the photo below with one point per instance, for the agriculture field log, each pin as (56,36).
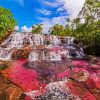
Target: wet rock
(3,95)
(90,58)
(8,91)
(5,36)
(81,76)
(4,65)
(57,91)
(21,53)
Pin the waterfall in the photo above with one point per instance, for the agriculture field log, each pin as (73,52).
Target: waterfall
(38,39)
(54,40)
(5,54)
(18,40)
(54,56)
(69,40)
(15,40)
(33,56)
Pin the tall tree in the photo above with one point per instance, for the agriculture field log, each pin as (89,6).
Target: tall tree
(37,28)
(57,30)
(88,32)
(7,22)
(68,30)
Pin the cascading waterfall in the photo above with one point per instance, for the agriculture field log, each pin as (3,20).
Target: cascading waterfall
(54,40)
(18,40)
(53,56)
(33,56)
(5,54)
(15,40)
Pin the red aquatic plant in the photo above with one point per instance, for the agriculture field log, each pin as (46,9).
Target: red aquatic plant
(25,78)
(28,79)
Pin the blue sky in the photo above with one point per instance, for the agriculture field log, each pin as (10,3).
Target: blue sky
(48,12)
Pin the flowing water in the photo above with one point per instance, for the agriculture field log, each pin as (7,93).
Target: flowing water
(54,49)
(48,72)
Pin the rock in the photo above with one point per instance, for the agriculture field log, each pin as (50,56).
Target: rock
(57,91)
(4,64)
(21,53)
(81,76)
(90,58)
(8,91)
(7,34)
(3,95)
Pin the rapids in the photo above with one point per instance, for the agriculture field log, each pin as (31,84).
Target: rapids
(54,49)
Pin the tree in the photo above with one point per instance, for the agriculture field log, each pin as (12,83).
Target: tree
(68,30)
(7,22)
(57,30)
(37,28)
(88,32)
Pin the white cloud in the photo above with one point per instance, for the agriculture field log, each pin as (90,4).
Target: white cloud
(47,23)
(51,4)
(72,7)
(16,28)
(26,29)
(45,12)
(60,9)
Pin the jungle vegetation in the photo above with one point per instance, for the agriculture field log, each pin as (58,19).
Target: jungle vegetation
(7,22)
(86,27)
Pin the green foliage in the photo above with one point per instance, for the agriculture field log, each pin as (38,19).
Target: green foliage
(60,30)
(88,33)
(37,28)
(57,30)
(68,30)
(7,22)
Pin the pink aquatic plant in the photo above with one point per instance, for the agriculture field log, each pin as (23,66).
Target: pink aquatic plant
(88,96)
(23,77)
(28,79)
(80,63)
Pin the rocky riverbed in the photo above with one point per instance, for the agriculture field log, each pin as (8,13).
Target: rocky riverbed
(43,67)
(19,81)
